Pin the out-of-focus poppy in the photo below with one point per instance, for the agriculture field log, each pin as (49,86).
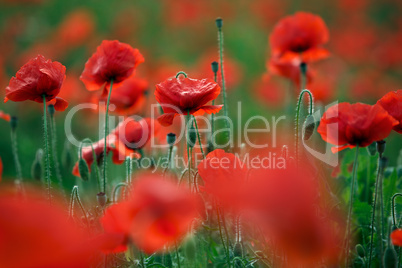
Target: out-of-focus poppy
(112,61)
(5,116)
(223,175)
(37,78)
(290,70)
(128,96)
(37,234)
(180,96)
(392,103)
(75,29)
(269,91)
(347,125)
(133,135)
(396,237)
(114,145)
(158,213)
(299,38)
(278,198)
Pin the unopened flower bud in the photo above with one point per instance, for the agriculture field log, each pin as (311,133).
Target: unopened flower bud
(13,122)
(219,23)
(83,169)
(190,247)
(381,147)
(360,250)
(238,250)
(215,66)
(51,109)
(372,149)
(101,198)
(171,139)
(308,127)
(390,258)
(192,136)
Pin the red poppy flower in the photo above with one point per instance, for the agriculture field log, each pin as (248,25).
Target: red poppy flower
(396,237)
(182,95)
(269,91)
(113,145)
(223,175)
(347,125)
(157,214)
(392,103)
(36,234)
(112,61)
(128,97)
(5,116)
(299,38)
(36,78)
(288,70)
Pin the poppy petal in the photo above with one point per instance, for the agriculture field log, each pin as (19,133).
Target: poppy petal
(60,104)
(166,119)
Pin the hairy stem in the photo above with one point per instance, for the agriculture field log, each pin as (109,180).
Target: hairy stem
(47,163)
(106,134)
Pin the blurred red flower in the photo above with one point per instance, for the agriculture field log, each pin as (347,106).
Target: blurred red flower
(5,116)
(392,103)
(269,91)
(157,214)
(36,234)
(396,237)
(223,175)
(36,78)
(299,38)
(347,125)
(128,96)
(112,61)
(180,96)
(290,70)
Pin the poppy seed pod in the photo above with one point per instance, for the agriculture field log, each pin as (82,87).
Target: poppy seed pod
(308,127)
(36,170)
(390,258)
(51,109)
(171,139)
(101,198)
(372,149)
(219,23)
(191,136)
(83,169)
(360,250)
(215,66)
(13,122)
(381,146)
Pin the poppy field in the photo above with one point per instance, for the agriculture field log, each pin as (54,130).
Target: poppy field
(213,133)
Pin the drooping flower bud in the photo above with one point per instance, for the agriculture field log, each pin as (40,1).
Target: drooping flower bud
(360,250)
(381,147)
(219,23)
(308,127)
(83,169)
(390,258)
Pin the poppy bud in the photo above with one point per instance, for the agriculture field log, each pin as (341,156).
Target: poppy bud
(36,170)
(192,136)
(381,147)
(190,247)
(371,149)
(219,23)
(215,66)
(303,68)
(308,127)
(66,157)
(51,109)
(13,122)
(360,250)
(101,198)
(83,169)
(383,162)
(171,139)
(390,258)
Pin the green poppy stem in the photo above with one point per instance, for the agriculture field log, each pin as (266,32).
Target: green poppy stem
(47,162)
(14,148)
(297,118)
(106,134)
(352,187)
(199,138)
